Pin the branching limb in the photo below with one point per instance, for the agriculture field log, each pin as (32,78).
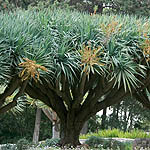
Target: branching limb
(108,101)
(94,95)
(66,95)
(57,104)
(35,93)
(12,86)
(48,96)
(80,90)
(143,98)
(8,107)
(51,87)
(89,83)
(14,102)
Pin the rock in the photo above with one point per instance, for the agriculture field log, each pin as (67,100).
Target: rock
(141,143)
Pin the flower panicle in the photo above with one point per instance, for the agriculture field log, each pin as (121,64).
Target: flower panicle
(30,70)
(90,57)
(111,28)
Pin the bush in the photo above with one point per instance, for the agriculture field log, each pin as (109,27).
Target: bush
(97,142)
(23,144)
(117,133)
(94,141)
(23,126)
(50,142)
(8,147)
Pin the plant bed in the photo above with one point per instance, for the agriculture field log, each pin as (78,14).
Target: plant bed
(111,143)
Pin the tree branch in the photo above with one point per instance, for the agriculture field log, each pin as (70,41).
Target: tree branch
(47,84)
(8,107)
(79,97)
(89,82)
(14,102)
(57,104)
(12,86)
(108,101)
(35,93)
(66,96)
(48,96)
(143,98)
(94,95)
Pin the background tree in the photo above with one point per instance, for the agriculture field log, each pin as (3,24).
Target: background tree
(127,115)
(75,63)
(134,7)
(17,126)
(37,126)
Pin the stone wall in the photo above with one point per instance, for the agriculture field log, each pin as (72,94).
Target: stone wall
(141,143)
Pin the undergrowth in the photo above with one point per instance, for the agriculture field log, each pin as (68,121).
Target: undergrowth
(116,133)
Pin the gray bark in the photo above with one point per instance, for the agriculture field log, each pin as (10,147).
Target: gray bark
(55,120)
(85,128)
(37,126)
(56,130)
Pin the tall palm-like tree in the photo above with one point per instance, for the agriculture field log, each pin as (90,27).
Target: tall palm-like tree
(75,63)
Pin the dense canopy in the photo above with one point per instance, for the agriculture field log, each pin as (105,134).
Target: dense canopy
(75,63)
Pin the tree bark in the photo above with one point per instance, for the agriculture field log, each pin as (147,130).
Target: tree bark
(103,126)
(85,128)
(55,120)
(37,126)
(70,129)
(69,136)
(56,130)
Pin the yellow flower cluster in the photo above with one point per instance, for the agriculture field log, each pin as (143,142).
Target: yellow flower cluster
(146,48)
(143,28)
(30,70)
(146,42)
(111,28)
(90,57)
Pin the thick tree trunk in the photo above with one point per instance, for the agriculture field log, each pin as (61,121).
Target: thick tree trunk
(70,132)
(70,138)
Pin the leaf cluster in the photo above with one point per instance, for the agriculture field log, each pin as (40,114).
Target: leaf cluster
(54,40)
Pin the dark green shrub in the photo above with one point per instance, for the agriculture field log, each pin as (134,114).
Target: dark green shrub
(8,147)
(50,142)
(101,143)
(23,126)
(94,141)
(23,144)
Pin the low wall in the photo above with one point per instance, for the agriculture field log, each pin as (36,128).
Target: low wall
(143,143)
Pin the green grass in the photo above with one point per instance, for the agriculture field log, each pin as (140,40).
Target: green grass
(117,133)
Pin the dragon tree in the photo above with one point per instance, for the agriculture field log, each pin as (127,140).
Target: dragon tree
(75,63)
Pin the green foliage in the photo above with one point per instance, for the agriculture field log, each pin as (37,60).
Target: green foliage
(100,143)
(117,133)
(8,147)
(50,143)
(94,124)
(54,39)
(6,5)
(15,127)
(53,42)
(23,144)
(133,7)
(127,115)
